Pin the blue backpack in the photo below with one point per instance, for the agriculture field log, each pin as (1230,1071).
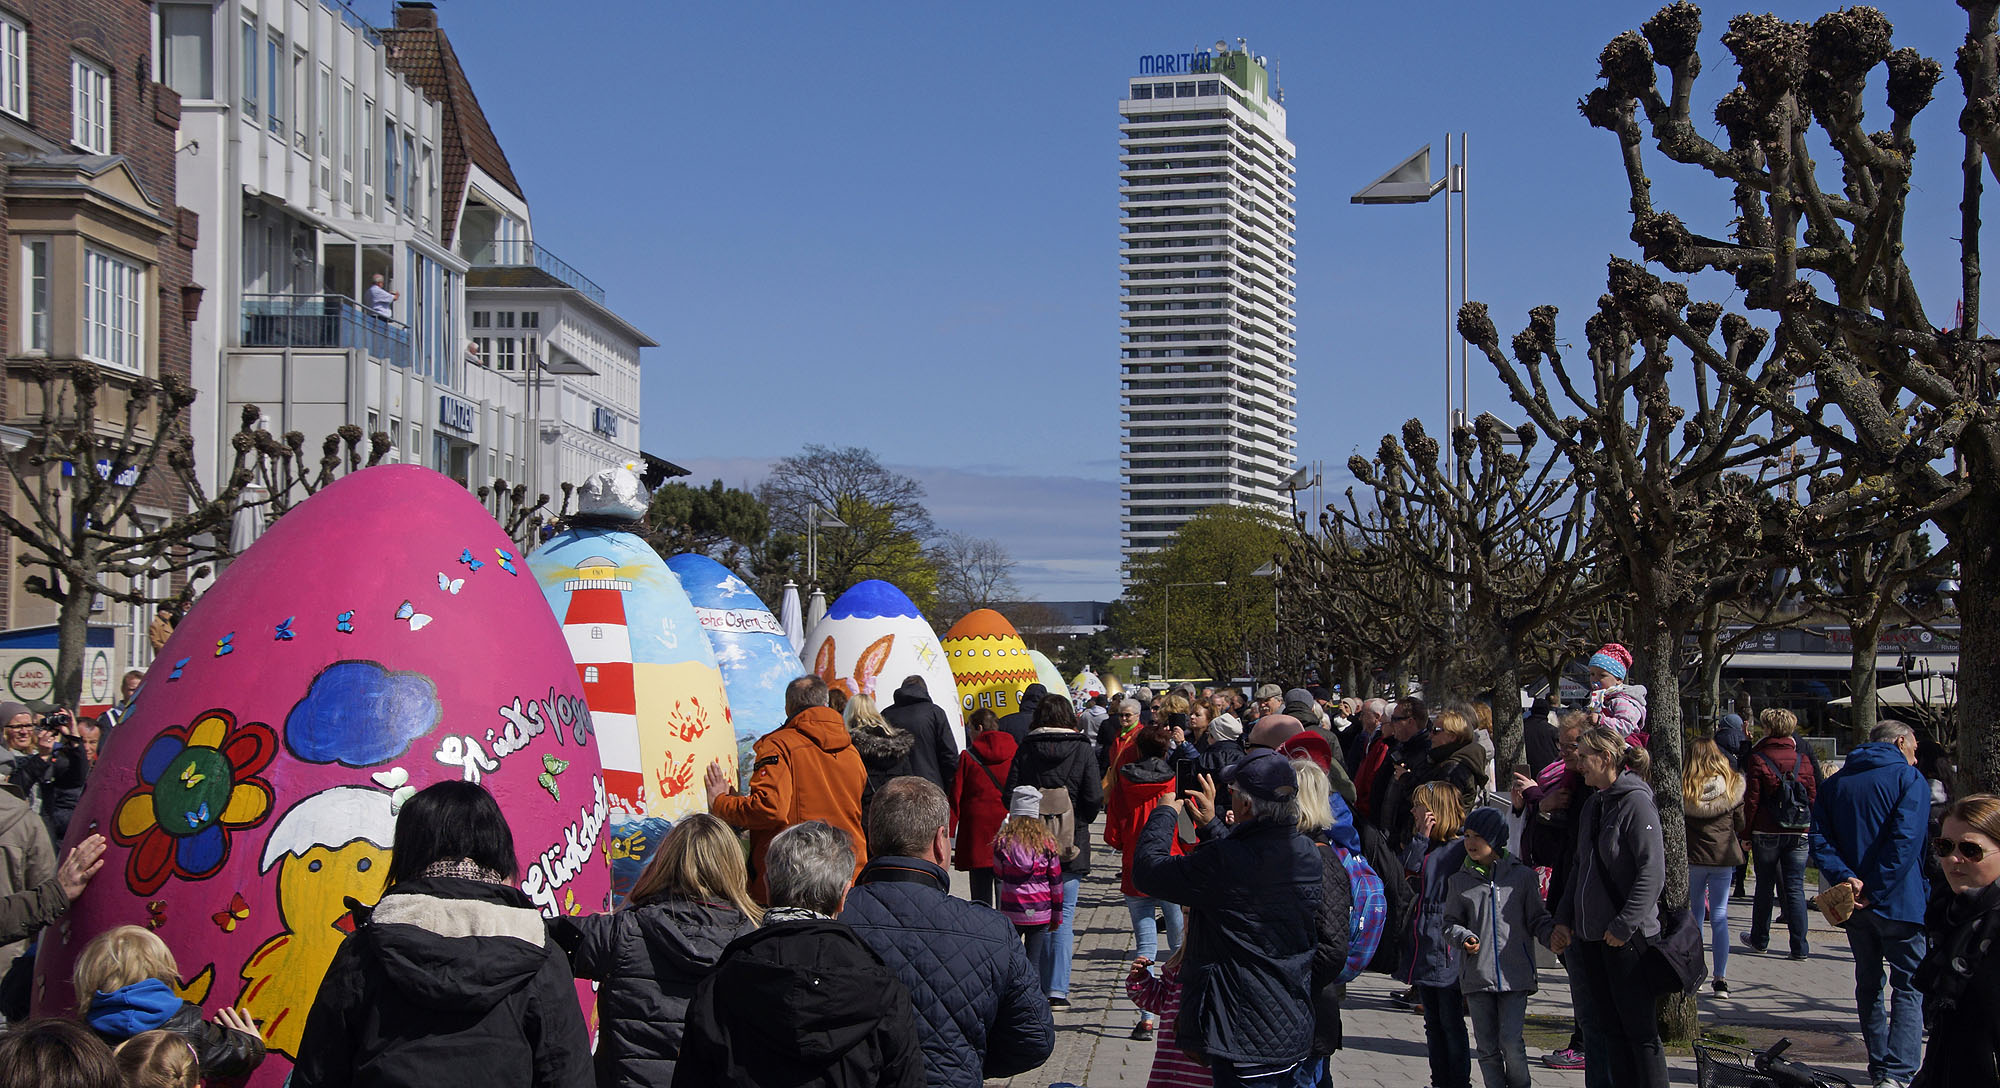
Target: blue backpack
(1370,917)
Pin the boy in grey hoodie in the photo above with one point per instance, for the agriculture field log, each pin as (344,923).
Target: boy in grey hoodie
(1493,909)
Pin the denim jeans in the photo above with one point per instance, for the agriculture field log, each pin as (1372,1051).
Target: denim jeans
(1779,857)
(1896,1040)
(1444,1036)
(1497,1019)
(1062,943)
(1146,931)
(1621,1037)
(1708,895)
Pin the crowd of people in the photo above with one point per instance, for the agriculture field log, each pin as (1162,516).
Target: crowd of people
(1269,849)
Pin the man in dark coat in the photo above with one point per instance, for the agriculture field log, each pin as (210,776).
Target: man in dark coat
(936,753)
(1057,755)
(802,1001)
(1246,997)
(971,987)
(1019,722)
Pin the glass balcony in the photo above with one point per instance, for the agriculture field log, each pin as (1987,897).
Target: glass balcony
(502,254)
(322,321)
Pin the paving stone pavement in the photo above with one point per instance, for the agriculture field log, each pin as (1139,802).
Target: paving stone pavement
(1811,1002)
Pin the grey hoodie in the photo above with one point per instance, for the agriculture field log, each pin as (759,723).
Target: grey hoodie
(1620,865)
(1504,910)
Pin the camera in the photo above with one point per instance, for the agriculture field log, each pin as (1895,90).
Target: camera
(54,721)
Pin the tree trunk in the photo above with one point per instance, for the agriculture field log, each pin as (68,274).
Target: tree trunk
(1507,724)
(1862,713)
(72,643)
(1978,709)
(1660,642)
(1708,706)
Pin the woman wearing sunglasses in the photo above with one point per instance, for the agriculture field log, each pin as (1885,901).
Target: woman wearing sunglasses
(1960,975)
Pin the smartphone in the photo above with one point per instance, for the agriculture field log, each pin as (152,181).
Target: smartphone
(1185,777)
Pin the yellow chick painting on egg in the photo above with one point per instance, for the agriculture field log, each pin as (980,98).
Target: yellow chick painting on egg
(330,847)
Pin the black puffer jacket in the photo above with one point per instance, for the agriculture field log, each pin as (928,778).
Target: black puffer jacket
(1246,984)
(979,1002)
(1336,908)
(936,753)
(886,755)
(449,984)
(1052,757)
(803,1004)
(648,959)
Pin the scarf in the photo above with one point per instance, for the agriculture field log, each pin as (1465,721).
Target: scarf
(462,869)
(1949,965)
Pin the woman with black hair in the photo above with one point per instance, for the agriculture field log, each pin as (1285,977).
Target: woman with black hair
(451,978)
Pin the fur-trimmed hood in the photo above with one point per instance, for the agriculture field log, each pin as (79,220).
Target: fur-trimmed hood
(1716,797)
(882,746)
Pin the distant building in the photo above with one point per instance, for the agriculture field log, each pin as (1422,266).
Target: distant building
(1205,199)
(1057,617)
(97,271)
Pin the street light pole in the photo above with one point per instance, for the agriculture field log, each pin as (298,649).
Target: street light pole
(1166,625)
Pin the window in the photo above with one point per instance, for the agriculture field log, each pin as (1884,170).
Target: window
(250,70)
(184,49)
(482,319)
(324,112)
(111,311)
(503,353)
(389,161)
(346,143)
(590,672)
(274,83)
(1143,90)
(483,347)
(35,275)
(531,319)
(367,155)
(506,319)
(301,102)
(90,101)
(429,183)
(409,175)
(13,67)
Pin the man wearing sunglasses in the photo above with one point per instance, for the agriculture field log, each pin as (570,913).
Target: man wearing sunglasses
(1869,824)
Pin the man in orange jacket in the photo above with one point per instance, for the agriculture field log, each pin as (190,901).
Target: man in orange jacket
(806,769)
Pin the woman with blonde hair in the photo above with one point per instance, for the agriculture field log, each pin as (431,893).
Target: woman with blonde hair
(884,749)
(1712,798)
(1436,851)
(692,900)
(125,979)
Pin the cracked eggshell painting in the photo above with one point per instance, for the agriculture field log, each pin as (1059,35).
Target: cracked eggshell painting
(646,668)
(381,636)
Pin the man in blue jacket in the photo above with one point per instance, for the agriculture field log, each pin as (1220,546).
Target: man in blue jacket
(1869,825)
(979,1004)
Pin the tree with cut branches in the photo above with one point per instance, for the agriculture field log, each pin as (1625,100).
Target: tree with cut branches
(1904,400)
(1381,610)
(96,453)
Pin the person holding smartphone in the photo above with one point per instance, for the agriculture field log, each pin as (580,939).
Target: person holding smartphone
(1137,787)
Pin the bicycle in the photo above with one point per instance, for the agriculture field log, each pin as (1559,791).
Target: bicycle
(1718,1065)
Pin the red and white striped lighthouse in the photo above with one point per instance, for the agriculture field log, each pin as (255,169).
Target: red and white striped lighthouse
(598,641)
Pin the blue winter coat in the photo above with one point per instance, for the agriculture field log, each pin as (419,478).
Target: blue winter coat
(1870,821)
(1436,959)
(979,1004)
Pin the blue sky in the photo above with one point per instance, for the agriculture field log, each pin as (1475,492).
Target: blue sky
(895,225)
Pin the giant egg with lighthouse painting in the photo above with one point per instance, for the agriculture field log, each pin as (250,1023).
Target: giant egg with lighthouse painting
(871,639)
(645,664)
(381,636)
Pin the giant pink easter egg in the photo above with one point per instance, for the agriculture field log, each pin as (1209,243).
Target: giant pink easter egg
(381,636)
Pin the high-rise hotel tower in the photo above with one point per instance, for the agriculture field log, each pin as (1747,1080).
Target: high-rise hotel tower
(1205,202)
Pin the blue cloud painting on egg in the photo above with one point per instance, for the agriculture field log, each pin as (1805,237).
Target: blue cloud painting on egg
(359,714)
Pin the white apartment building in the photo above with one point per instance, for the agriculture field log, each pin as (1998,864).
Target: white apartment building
(1208,311)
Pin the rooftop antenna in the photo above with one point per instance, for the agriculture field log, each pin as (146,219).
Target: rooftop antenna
(1221,46)
(1242,46)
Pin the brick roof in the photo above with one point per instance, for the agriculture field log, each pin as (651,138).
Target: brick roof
(418,48)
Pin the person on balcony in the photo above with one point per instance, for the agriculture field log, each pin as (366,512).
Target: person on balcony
(381,300)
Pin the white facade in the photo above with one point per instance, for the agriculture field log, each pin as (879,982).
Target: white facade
(1207,292)
(314,167)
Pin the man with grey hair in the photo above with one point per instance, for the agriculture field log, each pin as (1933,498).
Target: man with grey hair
(1869,825)
(1367,730)
(1255,891)
(979,1000)
(802,1000)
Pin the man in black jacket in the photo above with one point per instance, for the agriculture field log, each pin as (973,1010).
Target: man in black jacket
(1246,997)
(1057,756)
(803,1001)
(1019,722)
(936,754)
(979,1000)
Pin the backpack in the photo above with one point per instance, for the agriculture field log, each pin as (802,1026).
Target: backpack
(1793,808)
(1369,917)
(1060,815)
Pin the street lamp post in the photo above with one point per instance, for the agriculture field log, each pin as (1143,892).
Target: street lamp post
(817,518)
(1166,625)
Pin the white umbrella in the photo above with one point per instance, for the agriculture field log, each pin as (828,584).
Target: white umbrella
(788,618)
(815,612)
(247,524)
(1928,691)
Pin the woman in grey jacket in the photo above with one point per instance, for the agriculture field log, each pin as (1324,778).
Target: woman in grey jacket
(1611,912)
(1493,910)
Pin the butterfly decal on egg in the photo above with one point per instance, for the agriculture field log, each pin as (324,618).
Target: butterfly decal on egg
(408,611)
(551,767)
(237,911)
(450,585)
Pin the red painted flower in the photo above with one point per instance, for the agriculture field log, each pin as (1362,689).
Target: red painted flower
(198,785)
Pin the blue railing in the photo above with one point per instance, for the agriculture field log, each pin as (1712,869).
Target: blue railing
(322,321)
(529,254)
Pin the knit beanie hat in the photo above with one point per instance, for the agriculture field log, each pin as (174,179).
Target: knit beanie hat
(1226,727)
(1027,801)
(1488,824)
(1614,659)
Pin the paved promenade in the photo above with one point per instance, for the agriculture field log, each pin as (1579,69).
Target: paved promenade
(1810,1002)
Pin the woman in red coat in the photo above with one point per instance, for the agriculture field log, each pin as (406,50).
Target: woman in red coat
(978,804)
(1140,784)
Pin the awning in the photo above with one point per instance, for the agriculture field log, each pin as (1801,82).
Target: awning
(1808,662)
(1938,691)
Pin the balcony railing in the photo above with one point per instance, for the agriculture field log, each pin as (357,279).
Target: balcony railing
(322,321)
(532,255)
